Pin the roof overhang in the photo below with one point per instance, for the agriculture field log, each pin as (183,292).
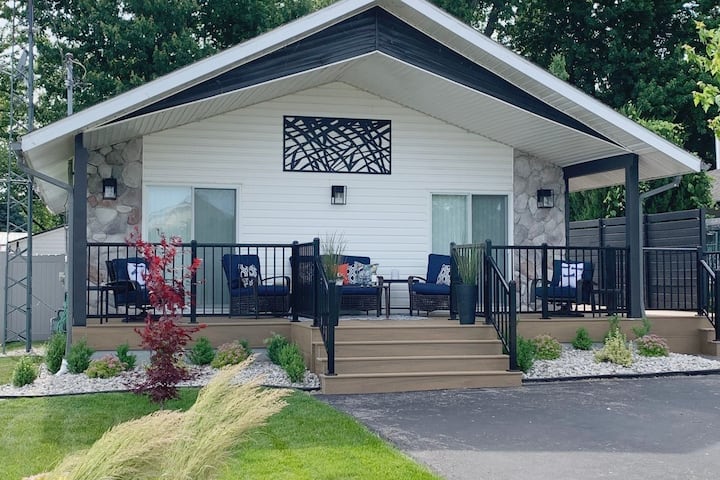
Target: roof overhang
(387,76)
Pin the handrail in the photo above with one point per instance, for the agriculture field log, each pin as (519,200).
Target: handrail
(501,305)
(709,297)
(328,303)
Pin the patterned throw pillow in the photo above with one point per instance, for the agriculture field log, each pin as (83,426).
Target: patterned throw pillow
(136,272)
(342,271)
(248,274)
(571,273)
(443,277)
(353,271)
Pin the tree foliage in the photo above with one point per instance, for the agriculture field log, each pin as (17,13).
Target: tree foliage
(708,95)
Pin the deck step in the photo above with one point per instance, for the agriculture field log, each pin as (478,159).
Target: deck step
(410,330)
(708,345)
(427,363)
(417,381)
(404,348)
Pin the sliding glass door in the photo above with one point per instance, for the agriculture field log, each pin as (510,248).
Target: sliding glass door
(468,218)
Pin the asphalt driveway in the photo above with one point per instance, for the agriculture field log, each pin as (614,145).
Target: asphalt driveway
(659,428)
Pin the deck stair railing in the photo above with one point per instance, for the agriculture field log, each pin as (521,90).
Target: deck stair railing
(500,304)
(709,294)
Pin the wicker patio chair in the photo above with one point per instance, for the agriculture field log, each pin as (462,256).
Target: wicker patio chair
(250,294)
(431,292)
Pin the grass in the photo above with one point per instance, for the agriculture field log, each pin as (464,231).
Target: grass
(307,440)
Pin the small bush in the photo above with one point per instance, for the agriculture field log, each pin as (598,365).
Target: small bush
(25,372)
(525,354)
(652,346)
(291,360)
(582,339)
(614,322)
(274,344)
(107,367)
(547,347)
(641,331)
(55,352)
(126,358)
(202,353)
(615,350)
(229,354)
(79,357)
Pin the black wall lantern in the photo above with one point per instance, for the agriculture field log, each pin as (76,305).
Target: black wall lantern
(109,189)
(545,198)
(338,195)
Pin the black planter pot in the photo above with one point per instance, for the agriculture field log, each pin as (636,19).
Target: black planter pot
(466,303)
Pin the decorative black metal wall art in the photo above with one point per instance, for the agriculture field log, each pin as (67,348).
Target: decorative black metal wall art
(336,145)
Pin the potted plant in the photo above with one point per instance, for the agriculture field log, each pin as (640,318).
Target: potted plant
(332,250)
(466,260)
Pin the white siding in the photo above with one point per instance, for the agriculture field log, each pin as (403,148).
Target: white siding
(387,217)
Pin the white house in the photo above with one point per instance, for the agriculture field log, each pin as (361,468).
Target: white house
(434,133)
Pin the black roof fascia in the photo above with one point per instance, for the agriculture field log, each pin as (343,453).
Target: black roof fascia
(617,162)
(374,29)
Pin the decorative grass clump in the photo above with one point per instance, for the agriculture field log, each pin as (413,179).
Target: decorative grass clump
(615,350)
(652,346)
(176,445)
(547,347)
(25,372)
(582,339)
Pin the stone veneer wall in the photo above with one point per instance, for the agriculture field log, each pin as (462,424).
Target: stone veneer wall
(112,221)
(533,225)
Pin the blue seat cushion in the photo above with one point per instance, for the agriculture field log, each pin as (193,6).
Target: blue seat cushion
(431,289)
(359,290)
(558,293)
(262,291)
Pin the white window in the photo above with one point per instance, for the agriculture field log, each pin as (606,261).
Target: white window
(207,215)
(468,219)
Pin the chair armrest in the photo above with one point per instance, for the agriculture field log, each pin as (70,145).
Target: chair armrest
(124,285)
(285,279)
(415,278)
(535,283)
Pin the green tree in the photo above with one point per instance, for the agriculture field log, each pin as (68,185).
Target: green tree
(708,95)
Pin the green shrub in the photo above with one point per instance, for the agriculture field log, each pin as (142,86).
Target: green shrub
(79,357)
(274,344)
(229,354)
(652,346)
(525,354)
(25,372)
(126,358)
(202,353)
(615,350)
(246,345)
(643,330)
(105,367)
(291,360)
(547,347)
(614,322)
(582,339)
(55,352)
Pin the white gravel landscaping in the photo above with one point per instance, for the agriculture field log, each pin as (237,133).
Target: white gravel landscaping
(581,363)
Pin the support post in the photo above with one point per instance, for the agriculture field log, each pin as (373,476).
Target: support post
(487,287)
(632,236)
(294,279)
(701,287)
(193,283)
(78,242)
(716,305)
(512,341)
(544,280)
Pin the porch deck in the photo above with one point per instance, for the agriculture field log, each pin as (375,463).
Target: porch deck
(422,353)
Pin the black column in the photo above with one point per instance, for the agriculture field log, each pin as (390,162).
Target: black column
(632,235)
(78,235)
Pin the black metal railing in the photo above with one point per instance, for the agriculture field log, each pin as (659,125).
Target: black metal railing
(500,305)
(328,302)
(709,294)
(531,267)
(208,290)
(670,278)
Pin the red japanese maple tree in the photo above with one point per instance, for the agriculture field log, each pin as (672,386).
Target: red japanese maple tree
(164,337)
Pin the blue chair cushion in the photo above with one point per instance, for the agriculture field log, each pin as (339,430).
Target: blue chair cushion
(262,291)
(431,289)
(359,290)
(557,293)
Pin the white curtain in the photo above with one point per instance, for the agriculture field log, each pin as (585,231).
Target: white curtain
(449,221)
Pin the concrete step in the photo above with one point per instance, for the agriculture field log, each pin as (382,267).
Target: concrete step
(708,345)
(417,381)
(429,363)
(405,348)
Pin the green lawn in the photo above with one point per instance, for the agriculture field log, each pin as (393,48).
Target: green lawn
(307,440)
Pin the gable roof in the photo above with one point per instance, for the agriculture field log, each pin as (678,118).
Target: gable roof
(406,51)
